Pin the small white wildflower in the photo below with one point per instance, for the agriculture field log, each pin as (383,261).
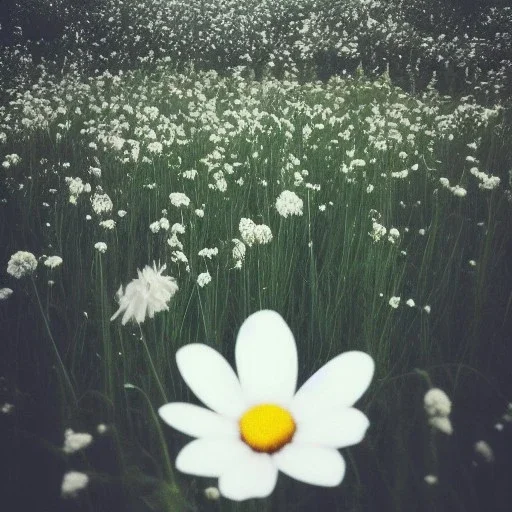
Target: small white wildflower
(72,483)
(394,302)
(203,279)
(378,231)
(410,303)
(208,253)
(95,171)
(146,295)
(431,479)
(101,203)
(239,249)
(472,263)
(394,235)
(441,423)
(121,213)
(246,228)
(427,309)
(189,175)
(53,261)
(212,493)
(7,408)
(21,264)
(289,203)
(199,212)
(483,449)
(164,224)
(75,441)
(101,428)
(154,227)
(437,403)
(262,234)
(5,293)
(178,228)
(101,247)
(179,199)
(88,217)
(369,189)
(459,191)
(108,224)
(421,232)
(174,242)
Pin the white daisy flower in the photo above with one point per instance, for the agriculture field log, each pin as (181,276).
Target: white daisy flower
(146,295)
(257,424)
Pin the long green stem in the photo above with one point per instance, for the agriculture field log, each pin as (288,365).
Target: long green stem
(61,366)
(153,369)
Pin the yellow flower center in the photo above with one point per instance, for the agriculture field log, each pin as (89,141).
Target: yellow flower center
(267,427)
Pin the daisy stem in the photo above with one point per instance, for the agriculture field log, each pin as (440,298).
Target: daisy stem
(62,368)
(153,369)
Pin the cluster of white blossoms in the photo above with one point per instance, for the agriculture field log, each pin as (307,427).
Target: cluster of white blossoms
(289,203)
(101,247)
(438,408)
(146,295)
(486,182)
(21,264)
(394,302)
(483,449)
(393,235)
(109,224)
(5,293)
(378,231)
(72,483)
(53,261)
(101,203)
(179,199)
(76,187)
(75,441)
(12,159)
(204,278)
(457,190)
(208,253)
(253,233)
(156,226)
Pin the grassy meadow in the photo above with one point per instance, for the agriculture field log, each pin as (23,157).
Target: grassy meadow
(392,238)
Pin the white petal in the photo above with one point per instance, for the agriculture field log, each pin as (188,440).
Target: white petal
(211,457)
(252,476)
(316,465)
(340,382)
(198,422)
(335,428)
(266,359)
(211,379)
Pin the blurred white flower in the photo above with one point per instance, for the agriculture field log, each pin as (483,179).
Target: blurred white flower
(5,293)
(393,235)
(208,253)
(100,247)
(441,423)
(483,449)
(262,234)
(212,493)
(101,203)
(121,213)
(431,479)
(108,224)
(394,302)
(246,228)
(203,279)
(179,199)
(427,309)
(53,261)
(73,482)
(289,203)
(75,441)
(378,231)
(21,264)
(239,249)
(146,295)
(437,403)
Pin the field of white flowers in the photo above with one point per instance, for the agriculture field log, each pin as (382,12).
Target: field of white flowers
(170,171)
